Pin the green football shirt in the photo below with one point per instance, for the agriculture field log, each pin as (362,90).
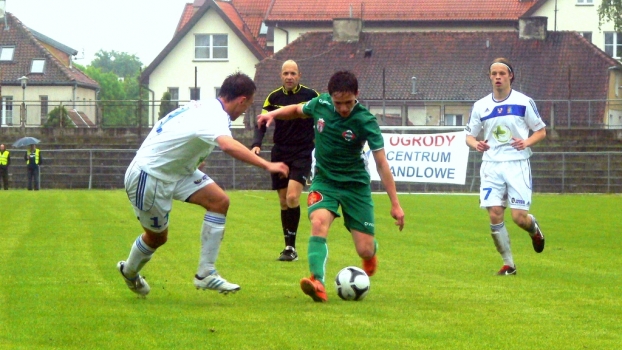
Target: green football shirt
(339,141)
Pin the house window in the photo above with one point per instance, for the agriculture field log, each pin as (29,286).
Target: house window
(6,53)
(7,110)
(195,94)
(453,119)
(585,2)
(38,66)
(613,44)
(211,47)
(44,109)
(174,92)
(586,35)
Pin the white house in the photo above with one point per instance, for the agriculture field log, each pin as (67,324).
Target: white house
(37,75)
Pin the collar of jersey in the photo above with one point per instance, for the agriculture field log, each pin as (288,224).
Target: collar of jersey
(294,90)
(495,101)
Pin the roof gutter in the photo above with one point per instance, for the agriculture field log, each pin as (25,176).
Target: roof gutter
(286,34)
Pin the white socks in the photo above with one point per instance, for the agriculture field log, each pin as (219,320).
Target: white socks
(140,254)
(502,241)
(211,236)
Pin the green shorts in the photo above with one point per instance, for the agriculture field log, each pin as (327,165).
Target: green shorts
(355,201)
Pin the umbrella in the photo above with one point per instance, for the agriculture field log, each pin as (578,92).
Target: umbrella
(26,141)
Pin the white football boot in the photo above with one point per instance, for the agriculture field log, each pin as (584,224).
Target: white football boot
(137,284)
(215,282)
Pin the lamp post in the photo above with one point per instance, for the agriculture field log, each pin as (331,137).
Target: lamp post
(24,81)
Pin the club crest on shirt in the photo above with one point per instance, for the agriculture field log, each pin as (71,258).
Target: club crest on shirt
(320,125)
(314,197)
(348,135)
(502,134)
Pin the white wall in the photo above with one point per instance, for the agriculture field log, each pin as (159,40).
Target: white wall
(177,69)
(84,101)
(575,17)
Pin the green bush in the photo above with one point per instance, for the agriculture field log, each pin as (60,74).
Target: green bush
(57,115)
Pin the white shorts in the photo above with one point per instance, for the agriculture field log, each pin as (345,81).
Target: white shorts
(504,183)
(152,198)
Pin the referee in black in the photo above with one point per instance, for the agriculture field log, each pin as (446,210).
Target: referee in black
(293,144)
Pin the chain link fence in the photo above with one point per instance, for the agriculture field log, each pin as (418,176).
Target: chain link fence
(552,172)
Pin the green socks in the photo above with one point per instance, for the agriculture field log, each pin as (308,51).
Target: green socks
(317,255)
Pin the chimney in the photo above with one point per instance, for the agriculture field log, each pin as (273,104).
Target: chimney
(347,29)
(532,28)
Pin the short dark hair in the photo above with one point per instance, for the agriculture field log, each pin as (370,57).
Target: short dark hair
(506,62)
(236,85)
(343,81)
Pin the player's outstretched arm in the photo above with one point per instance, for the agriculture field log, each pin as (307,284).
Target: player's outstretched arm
(285,113)
(238,151)
(386,177)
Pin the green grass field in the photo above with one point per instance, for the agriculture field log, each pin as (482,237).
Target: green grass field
(435,287)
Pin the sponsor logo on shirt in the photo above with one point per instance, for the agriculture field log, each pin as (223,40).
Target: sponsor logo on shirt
(502,134)
(324,102)
(348,135)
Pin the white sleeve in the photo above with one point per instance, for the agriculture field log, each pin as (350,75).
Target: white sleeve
(474,126)
(532,117)
(217,125)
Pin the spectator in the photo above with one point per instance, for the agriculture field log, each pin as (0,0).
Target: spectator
(5,161)
(33,160)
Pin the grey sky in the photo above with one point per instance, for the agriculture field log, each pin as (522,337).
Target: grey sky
(141,28)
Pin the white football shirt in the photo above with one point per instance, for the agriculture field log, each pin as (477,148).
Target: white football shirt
(502,120)
(181,140)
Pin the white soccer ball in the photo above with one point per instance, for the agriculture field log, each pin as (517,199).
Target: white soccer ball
(352,283)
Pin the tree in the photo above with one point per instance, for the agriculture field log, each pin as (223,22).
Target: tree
(120,63)
(56,115)
(111,97)
(610,11)
(120,93)
(166,105)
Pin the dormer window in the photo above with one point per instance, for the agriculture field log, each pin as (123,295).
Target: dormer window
(38,66)
(6,53)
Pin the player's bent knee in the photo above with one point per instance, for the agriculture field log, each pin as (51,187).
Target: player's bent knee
(155,240)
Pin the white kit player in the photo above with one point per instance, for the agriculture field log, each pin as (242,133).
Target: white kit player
(166,168)
(506,117)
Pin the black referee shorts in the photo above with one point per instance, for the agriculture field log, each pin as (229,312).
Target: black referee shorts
(298,160)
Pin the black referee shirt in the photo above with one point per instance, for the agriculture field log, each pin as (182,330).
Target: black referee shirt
(295,132)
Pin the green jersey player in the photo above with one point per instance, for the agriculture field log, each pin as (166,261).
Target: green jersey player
(342,127)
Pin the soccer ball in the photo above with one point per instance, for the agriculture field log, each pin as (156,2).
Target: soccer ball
(352,283)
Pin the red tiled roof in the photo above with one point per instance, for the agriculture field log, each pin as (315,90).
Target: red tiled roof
(447,65)
(79,119)
(230,15)
(236,18)
(398,10)
(250,12)
(187,13)
(56,71)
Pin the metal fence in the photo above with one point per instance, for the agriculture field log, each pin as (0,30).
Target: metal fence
(553,172)
(596,114)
